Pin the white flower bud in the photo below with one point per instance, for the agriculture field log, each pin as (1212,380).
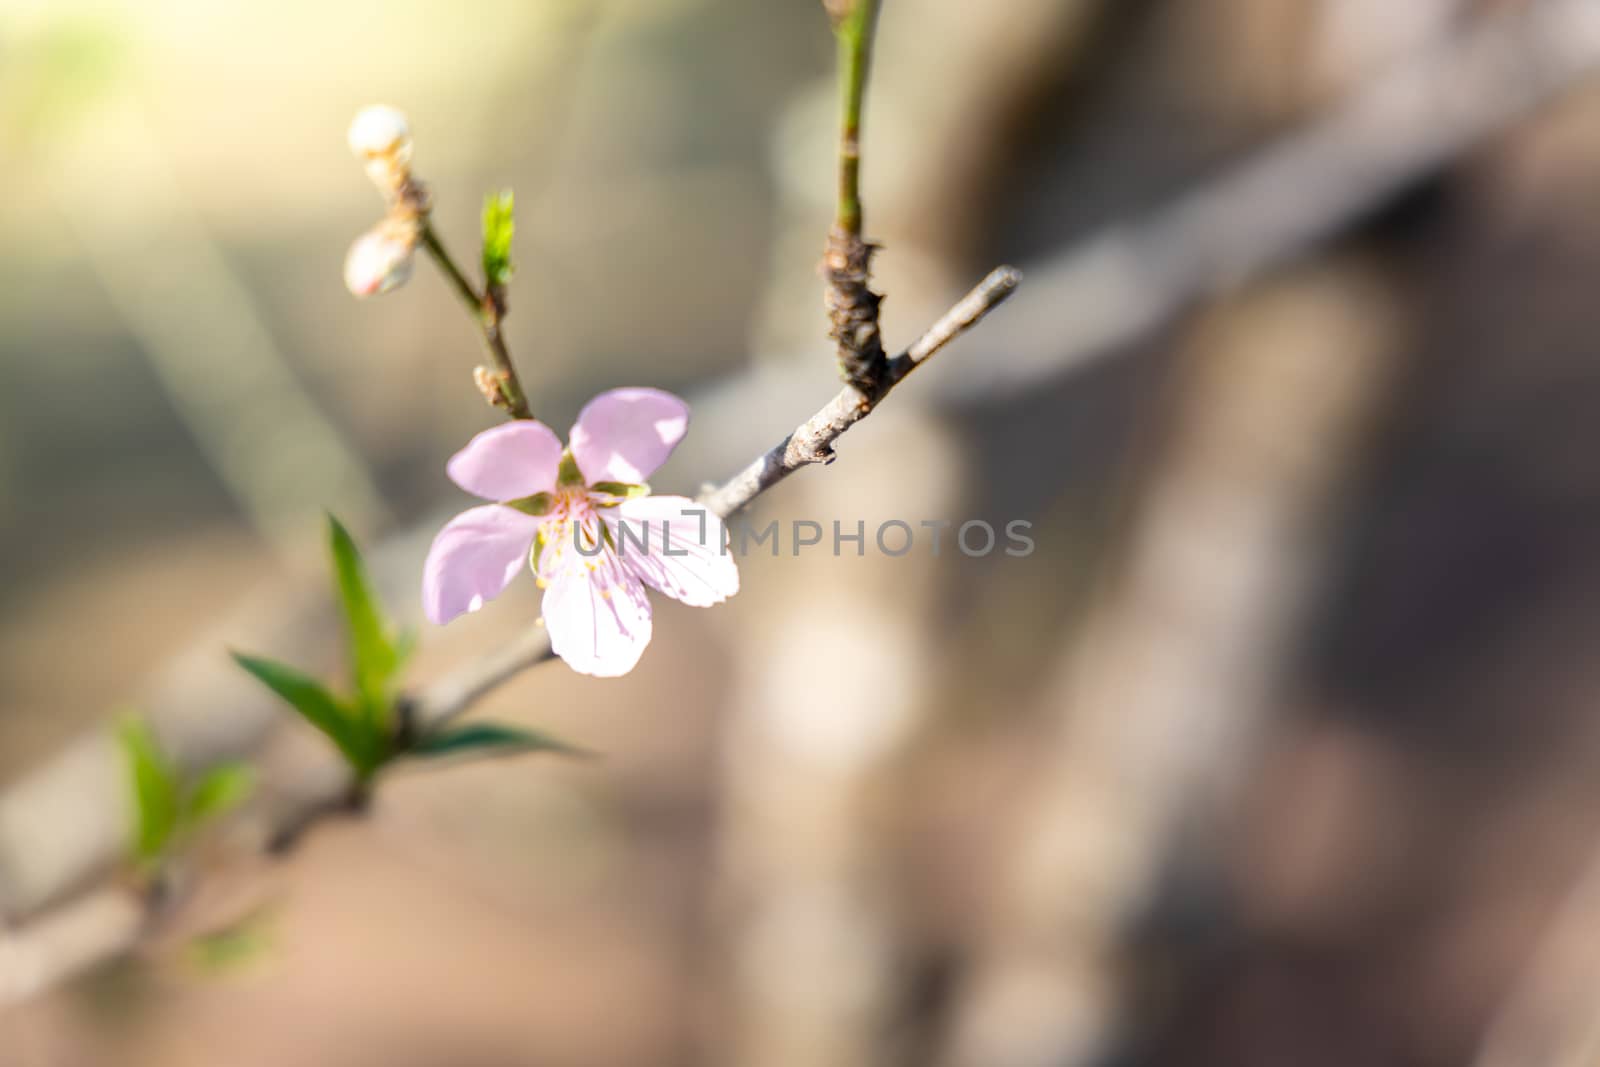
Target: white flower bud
(380,131)
(378,261)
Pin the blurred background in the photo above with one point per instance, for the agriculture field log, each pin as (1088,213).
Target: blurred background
(1278,748)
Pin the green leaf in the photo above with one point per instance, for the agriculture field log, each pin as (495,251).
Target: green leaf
(498,226)
(321,709)
(491,739)
(374,659)
(218,791)
(155,789)
(237,945)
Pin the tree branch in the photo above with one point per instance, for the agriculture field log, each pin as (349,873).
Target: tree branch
(1100,295)
(107,923)
(61,945)
(487,310)
(812,441)
(847,259)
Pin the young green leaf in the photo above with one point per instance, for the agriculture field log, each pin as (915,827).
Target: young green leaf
(490,739)
(218,791)
(155,789)
(352,735)
(374,659)
(237,945)
(499,224)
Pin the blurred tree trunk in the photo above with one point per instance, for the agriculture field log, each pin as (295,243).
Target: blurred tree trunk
(813,967)
(1163,695)
(1161,698)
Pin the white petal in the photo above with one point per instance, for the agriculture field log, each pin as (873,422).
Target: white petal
(683,551)
(378,130)
(599,620)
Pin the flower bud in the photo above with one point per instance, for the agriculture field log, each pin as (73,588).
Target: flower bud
(380,132)
(379,260)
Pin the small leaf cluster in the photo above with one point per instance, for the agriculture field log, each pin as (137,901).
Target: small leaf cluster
(360,722)
(234,946)
(363,722)
(168,809)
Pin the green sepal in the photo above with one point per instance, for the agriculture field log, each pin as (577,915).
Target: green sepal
(569,475)
(537,504)
(621,490)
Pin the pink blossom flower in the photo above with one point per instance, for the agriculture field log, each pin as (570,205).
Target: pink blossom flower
(584,520)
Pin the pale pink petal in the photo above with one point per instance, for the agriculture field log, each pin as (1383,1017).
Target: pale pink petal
(683,554)
(515,460)
(377,262)
(626,434)
(599,619)
(473,558)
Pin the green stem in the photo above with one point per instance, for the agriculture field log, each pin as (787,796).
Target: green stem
(854,35)
(487,309)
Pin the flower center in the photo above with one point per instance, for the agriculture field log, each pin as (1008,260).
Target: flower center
(571,536)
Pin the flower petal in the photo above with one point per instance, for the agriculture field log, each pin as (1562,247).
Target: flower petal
(626,434)
(379,130)
(377,262)
(599,620)
(515,460)
(473,558)
(682,554)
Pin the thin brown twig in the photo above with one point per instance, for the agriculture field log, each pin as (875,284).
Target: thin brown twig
(488,310)
(812,442)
